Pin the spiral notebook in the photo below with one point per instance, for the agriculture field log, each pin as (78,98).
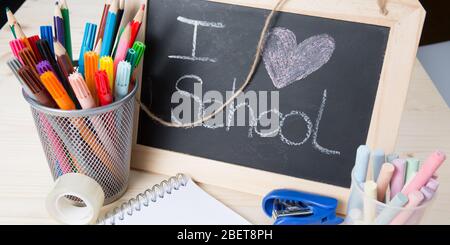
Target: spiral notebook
(176,201)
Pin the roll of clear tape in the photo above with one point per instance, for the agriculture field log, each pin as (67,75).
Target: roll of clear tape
(74,185)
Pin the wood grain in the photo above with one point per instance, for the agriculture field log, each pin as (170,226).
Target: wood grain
(25,178)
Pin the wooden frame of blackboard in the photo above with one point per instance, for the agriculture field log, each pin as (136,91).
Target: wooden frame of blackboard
(405,19)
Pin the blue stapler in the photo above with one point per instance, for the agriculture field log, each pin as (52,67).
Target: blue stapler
(289,207)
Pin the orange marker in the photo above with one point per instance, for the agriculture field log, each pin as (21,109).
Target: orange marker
(57,91)
(90,68)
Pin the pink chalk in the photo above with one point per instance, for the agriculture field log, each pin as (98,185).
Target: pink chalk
(398,178)
(430,166)
(414,200)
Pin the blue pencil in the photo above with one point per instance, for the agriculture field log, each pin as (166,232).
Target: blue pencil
(59,26)
(87,44)
(108,37)
(47,34)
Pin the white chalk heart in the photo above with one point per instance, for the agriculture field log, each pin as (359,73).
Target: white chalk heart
(286,62)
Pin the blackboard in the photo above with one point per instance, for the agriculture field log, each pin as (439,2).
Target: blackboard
(327,87)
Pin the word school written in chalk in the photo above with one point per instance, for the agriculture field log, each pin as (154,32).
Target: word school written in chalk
(272,120)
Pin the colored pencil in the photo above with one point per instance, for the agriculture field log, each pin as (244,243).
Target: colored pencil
(122,47)
(107,65)
(34,84)
(91,67)
(21,35)
(101,29)
(136,25)
(68,36)
(11,21)
(63,59)
(108,37)
(47,34)
(87,44)
(58,23)
(120,12)
(116,42)
(57,91)
(98,47)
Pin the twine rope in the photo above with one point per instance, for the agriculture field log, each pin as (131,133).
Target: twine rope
(256,60)
(382,5)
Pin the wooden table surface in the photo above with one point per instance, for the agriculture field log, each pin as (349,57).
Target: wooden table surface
(25,179)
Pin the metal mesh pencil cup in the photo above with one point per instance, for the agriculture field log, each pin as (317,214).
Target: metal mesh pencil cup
(94,142)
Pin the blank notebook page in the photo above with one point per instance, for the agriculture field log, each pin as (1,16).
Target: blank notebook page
(189,205)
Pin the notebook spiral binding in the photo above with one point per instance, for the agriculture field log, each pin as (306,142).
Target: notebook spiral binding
(143,199)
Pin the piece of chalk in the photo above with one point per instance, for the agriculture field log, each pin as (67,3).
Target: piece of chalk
(427,193)
(409,181)
(433,184)
(354,214)
(370,198)
(430,166)
(384,178)
(378,159)
(359,174)
(391,157)
(398,178)
(361,163)
(412,166)
(415,199)
(389,212)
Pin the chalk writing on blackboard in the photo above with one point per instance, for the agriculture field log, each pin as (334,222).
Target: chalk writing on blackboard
(287,62)
(196,24)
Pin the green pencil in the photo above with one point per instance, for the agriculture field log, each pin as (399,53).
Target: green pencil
(66,18)
(11,21)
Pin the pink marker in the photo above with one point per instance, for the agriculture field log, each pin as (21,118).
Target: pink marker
(16,46)
(122,47)
(415,198)
(424,175)
(81,91)
(398,179)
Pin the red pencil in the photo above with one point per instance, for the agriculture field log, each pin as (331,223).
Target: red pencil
(102,24)
(136,25)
